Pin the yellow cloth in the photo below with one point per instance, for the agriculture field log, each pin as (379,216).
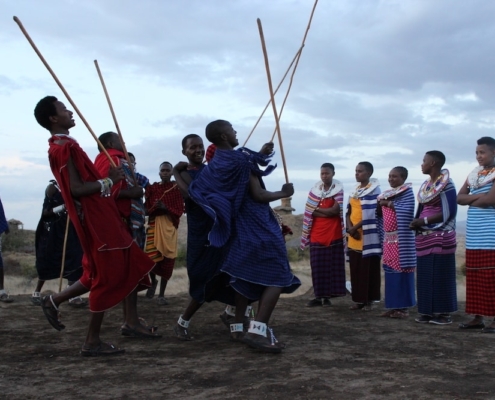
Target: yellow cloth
(356,217)
(166,236)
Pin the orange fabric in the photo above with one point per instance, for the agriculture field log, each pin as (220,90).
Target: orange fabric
(326,230)
(356,217)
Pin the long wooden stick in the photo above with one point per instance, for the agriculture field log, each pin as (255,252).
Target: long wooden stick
(275,92)
(295,67)
(21,27)
(272,97)
(121,138)
(62,268)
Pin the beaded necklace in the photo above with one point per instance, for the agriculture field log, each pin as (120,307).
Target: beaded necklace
(362,191)
(387,194)
(429,190)
(480,177)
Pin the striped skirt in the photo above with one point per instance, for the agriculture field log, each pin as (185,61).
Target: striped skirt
(400,291)
(328,269)
(436,284)
(480,282)
(365,277)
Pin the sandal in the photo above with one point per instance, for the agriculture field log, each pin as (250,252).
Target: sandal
(387,313)
(51,313)
(182,333)
(103,349)
(261,343)
(5,298)
(399,314)
(127,331)
(273,339)
(78,302)
(357,306)
(368,307)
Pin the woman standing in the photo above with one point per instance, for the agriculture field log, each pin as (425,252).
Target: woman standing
(364,243)
(478,192)
(399,251)
(434,224)
(323,228)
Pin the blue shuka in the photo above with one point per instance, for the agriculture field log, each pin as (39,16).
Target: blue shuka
(256,253)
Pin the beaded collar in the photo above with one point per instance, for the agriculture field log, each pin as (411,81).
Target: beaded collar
(429,190)
(64,136)
(387,194)
(319,189)
(369,188)
(480,177)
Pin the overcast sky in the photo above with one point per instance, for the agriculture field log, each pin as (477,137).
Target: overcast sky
(382,81)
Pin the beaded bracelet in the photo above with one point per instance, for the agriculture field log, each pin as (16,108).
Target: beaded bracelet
(106,186)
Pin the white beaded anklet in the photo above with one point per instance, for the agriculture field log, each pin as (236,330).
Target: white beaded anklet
(248,311)
(258,328)
(183,322)
(236,328)
(230,310)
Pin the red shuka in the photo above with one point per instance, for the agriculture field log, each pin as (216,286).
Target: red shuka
(113,264)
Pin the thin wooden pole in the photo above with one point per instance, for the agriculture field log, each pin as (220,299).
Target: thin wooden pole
(121,138)
(295,67)
(272,97)
(275,92)
(21,27)
(62,268)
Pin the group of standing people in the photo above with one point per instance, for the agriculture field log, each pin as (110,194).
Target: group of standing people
(385,228)
(236,250)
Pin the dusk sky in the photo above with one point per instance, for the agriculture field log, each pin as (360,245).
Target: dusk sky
(381,81)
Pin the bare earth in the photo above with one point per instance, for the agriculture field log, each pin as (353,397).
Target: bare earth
(332,353)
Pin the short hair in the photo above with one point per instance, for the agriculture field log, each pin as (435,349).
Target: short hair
(44,110)
(328,165)
(166,162)
(489,141)
(403,172)
(438,156)
(105,139)
(215,129)
(187,137)
(131,155)
(367,166)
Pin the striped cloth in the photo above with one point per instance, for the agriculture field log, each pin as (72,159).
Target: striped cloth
(440,238)
(480,224)
(480,257)
(257,256)
(315,196)
(403,215)
(372,245)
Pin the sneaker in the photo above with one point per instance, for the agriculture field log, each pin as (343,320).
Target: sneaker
(423,319)
(441,320)
(36,299)
(315,303)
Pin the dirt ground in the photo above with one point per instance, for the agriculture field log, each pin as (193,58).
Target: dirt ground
(332,353)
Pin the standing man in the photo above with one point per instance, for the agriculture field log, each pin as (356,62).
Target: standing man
(4,228)
(434,224)
(114,266)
